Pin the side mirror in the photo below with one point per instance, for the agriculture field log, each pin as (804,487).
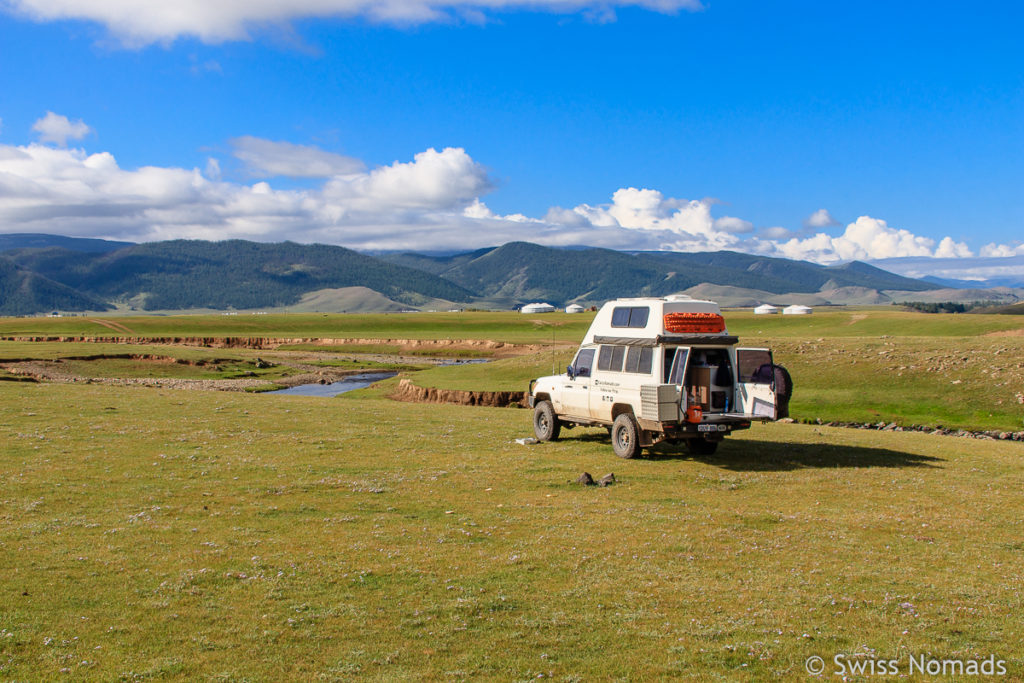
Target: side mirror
(570,371)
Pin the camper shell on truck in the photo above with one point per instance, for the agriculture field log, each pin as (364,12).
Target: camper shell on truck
(661,369)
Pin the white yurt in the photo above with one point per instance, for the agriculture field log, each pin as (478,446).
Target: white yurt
(796,309)
(574,308)
(537,308)
(766,309)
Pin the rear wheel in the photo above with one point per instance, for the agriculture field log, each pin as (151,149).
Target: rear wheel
(625,436)
(545,424)
(699,446)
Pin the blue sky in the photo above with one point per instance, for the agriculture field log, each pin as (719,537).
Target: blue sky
(826,131)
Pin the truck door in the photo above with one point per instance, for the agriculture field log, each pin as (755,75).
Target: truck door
(755,386)
(576,392)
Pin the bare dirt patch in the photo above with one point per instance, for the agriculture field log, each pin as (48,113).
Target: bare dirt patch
(410,393)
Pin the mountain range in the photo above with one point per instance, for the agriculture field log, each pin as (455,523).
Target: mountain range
(40,273)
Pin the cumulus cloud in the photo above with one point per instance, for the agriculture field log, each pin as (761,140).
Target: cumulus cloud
(1002,250)
(59,129)
(433,201)
(269,159)
(655,221)
(445,180)
(868,238)
(142,22)
(733,225)
(821,219)
(776,232)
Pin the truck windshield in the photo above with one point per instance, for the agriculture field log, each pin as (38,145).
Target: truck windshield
(584,361)
(678,366)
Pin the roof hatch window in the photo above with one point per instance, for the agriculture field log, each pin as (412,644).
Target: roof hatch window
(630,316)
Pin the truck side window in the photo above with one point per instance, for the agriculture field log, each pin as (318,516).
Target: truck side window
(610,358)
(584,362)
(646,360)
(639,358)
(618,355)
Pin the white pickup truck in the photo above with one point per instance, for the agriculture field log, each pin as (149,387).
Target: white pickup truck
(661,369)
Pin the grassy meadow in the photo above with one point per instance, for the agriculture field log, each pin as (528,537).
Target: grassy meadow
(163,534)
(159,534)
(956,371)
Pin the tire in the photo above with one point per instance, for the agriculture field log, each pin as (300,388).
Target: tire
(545,423)
(625,436)
(699,446)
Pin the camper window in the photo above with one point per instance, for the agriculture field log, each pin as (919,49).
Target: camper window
(630,316)
(639,358)
(610,358)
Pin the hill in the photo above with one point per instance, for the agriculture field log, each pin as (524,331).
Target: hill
(23,292)
(184,274)
(41,241)
(520,271)
(54,273)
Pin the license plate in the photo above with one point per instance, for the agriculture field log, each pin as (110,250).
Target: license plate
(712,428)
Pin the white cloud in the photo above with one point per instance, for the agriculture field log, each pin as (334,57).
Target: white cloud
(868,238)
(58,129)
(656,221)
(1006,268)
(142,22)
(268,158)
(445,180)
(949,249)
(1002,250)
(433,201)
(213,169)
(776,232)
(820,219)
(733,225)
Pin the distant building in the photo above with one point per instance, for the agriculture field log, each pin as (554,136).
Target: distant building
(796,309)
(574,308)
(537,308)
(766,309)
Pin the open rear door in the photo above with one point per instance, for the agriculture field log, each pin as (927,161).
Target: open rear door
(755,390)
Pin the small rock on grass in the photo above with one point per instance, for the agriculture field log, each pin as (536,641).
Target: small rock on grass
(606,480)
(585,479)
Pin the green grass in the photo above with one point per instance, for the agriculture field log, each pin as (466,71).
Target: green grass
(190,535)
(959,382)
(506,327)
(972,382)
(851,364)
(393,349)
(14,351)
(507,374)
(357,364)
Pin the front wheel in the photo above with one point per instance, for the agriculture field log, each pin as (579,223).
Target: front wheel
(545,424)
(625,436)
